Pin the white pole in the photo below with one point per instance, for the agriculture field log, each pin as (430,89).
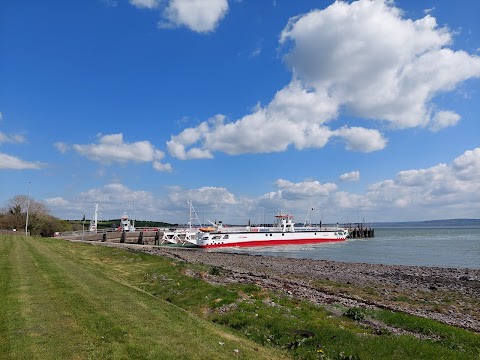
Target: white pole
(28,205)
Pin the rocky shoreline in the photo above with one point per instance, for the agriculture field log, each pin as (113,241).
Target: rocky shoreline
(449,295)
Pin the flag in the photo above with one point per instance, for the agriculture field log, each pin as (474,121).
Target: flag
(83,217)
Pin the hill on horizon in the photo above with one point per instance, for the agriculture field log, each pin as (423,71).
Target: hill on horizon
(431,223)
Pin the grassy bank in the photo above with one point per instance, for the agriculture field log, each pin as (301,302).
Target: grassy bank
(63,301)
(67,300)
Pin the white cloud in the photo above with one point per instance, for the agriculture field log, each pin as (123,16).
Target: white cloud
(57,202)
(116,193)
(5,138)
(429,11)
(157,165)
(377,64)
(440,192)
(113,200)
(15,163)
(177,144)
(61,146)
(302,190)
(361,58)
(147,4)
(443,119)
(198,15)
(350,176)
(361,139)
(295,116)
(467,166)
(112,148)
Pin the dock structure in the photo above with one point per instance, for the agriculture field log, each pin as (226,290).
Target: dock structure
(142,236)
(359,231)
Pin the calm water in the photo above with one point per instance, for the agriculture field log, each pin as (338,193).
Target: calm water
(442,247)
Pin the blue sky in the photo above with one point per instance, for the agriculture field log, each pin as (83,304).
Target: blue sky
(360,110)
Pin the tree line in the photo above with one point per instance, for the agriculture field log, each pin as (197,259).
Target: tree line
(13,216)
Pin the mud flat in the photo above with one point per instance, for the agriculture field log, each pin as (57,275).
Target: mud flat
(449,295)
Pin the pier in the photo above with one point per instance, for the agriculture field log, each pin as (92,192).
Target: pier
(141,236)
(359,231)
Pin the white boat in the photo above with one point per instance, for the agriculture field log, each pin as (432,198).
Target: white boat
(94,222)
(126,224)
(283,232)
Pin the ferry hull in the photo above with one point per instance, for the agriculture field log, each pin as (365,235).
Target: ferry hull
(257,238)
(262,242)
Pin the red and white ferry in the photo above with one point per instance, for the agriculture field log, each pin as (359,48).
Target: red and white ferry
(283,232)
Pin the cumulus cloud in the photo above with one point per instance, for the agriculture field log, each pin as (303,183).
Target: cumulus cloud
(362,59)
(361,139)
(198,15)
(147,4)
(438,192)
(376,63)
(57,202)
(12,162)
(15,163)
(112,148)
(113,199)
(116,193)
(441,191)
(443,119)
(210,202)
(467,166)
(157,165)
(202,16)
(305,189)
(295,116)
(207,195)
(350,176)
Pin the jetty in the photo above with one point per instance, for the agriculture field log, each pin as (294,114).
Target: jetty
(358,231)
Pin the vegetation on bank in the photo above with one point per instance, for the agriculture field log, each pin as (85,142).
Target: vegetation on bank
(69,300)
(13,216)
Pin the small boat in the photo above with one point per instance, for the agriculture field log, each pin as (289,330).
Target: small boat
(283,232)
(126,224)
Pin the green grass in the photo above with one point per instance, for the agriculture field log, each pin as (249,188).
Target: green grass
(77,301)
(69,301)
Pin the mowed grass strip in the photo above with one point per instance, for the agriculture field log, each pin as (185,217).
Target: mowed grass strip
(69,301)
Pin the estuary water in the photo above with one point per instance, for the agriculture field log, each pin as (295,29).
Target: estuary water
(456,247)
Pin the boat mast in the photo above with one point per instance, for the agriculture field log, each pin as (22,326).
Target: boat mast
(193,215)
(307,218)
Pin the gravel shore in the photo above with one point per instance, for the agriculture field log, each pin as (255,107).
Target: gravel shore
(449,295)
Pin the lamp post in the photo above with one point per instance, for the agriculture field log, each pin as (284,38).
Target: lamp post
(28,205)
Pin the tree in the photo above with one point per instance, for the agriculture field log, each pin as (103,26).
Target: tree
(40,222)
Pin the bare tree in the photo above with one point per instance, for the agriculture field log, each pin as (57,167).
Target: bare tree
(15,214)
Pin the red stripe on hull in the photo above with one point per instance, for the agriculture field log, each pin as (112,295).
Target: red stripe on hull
(270,243)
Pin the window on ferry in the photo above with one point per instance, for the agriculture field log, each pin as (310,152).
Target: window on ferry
(225,237)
